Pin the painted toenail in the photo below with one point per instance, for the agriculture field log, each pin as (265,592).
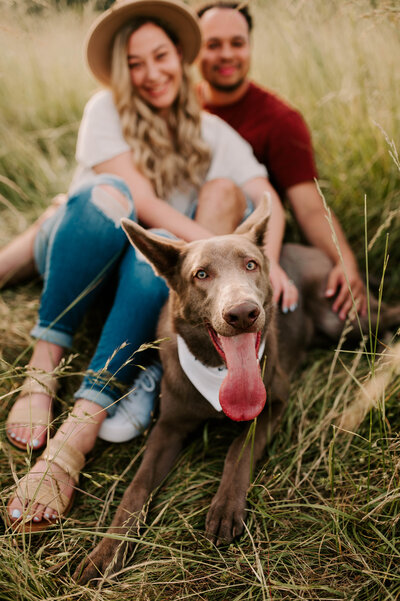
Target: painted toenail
(16,513)
(36,519)
(28,517)
(47,516)
(35,443)
(23,440)
(18,438)
(293,307)
(285,310)
(12,435)
(54,517)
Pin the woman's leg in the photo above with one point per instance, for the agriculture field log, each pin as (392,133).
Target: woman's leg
(131,322)
(81,250)
(17,257)
(221,206)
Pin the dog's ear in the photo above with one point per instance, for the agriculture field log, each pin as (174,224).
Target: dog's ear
(255,225)
(163,253)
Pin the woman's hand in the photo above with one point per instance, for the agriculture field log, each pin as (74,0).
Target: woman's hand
(283,288)
(337,285)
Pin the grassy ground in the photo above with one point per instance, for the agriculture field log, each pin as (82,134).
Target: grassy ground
(323,507)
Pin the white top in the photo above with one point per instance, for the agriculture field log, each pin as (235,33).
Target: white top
(100,139)
(207,380)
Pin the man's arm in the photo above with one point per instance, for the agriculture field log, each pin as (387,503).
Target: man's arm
(311,216)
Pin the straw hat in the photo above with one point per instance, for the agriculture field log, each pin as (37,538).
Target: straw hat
(178,16)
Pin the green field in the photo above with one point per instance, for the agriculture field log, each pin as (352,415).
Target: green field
(323,507)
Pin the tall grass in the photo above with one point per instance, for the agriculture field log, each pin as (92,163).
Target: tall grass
(323,507)
(44,88)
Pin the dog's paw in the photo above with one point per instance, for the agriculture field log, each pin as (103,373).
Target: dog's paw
(225,519)
(105,559)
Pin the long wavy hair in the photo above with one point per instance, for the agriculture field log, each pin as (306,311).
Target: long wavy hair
(171,154)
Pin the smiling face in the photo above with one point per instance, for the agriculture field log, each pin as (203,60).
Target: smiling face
(155,66)
(224,59)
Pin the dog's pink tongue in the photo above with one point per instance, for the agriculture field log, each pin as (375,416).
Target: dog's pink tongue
(242,394)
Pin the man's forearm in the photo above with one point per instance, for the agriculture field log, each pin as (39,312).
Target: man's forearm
(327,235)
(320,229)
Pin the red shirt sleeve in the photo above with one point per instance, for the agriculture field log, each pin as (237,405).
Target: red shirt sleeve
(288,152)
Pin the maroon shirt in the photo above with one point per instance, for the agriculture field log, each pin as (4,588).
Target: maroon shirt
(278,134)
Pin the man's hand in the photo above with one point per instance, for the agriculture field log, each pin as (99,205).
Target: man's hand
(283,288)
(311,214)
(337,285)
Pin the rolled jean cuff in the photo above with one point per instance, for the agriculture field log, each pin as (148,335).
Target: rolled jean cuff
(100,397)
(48,334)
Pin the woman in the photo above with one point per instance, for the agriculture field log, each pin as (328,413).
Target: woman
(141,141)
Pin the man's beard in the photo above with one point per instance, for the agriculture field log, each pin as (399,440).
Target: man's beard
(227,87)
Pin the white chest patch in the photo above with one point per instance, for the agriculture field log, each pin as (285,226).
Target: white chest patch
(207,380)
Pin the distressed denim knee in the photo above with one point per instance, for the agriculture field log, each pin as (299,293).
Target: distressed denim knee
(76,251)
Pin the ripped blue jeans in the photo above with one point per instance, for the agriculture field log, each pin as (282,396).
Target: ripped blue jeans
(81,251)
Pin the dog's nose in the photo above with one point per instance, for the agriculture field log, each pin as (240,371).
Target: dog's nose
(241,316)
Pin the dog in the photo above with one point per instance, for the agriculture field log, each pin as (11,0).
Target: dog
(226,353)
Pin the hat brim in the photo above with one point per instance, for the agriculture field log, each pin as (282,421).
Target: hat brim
(99,41)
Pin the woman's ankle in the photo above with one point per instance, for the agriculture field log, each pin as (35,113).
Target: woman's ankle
(46,356)
(81,427)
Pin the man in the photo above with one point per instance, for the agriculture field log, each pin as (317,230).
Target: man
(278,135)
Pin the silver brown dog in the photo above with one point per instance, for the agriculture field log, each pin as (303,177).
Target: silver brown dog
(226,354)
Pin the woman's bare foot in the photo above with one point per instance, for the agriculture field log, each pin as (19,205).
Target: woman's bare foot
(79,431)
(31,413)
(41,472)
(34,435)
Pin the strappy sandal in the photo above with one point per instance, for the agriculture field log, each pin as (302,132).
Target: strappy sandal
(22,414)
(43,489)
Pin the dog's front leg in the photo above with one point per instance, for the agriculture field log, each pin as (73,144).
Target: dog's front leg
(225,519)
(164,444)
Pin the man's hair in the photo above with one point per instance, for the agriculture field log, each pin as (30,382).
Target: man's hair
(241,7)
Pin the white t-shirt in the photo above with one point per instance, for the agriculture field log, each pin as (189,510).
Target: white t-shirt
(100,139)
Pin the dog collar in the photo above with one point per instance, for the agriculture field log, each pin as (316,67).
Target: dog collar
(207,380)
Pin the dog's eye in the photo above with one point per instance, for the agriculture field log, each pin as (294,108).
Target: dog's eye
(201,274)
(251,265)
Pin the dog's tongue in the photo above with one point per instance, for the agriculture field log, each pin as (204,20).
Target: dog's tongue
(242,394)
